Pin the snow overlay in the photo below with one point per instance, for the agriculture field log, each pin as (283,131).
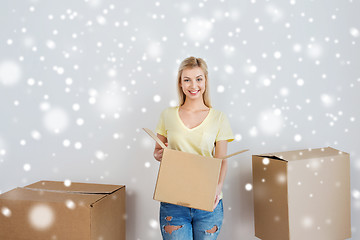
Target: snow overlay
(80,79)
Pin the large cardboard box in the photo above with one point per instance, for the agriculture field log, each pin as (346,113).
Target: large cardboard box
(187,179)
(52,211)
(302,194)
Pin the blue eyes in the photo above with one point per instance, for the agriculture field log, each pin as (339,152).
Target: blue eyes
(199,79)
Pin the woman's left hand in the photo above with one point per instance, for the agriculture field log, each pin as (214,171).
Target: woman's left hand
(217,195)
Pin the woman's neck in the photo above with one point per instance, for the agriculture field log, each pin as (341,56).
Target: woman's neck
(194,105)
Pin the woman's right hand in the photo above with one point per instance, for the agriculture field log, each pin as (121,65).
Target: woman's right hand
(158,152)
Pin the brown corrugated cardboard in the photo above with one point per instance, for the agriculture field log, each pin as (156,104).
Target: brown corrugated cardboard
(50,210)
(180,180)
(302,194)
(187,179)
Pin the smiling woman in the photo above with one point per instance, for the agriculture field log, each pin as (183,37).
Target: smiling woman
(193,82)
(193,73)
(193,127)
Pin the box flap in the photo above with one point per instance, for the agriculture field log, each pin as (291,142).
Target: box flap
(303,154)
(270,156)
(28,194)
(86,188)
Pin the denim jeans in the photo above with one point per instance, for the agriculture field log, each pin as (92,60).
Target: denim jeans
(190,223)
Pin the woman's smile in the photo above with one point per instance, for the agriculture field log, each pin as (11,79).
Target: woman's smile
(194,92)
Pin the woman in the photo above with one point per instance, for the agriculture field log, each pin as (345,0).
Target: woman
(194,127)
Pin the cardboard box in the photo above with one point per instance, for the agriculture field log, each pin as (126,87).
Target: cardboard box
(187,179)
(50,210)
(302,194)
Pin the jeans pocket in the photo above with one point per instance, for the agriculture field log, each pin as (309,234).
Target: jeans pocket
(219,208)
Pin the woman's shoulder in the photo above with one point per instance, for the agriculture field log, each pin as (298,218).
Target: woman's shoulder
(217,112)
(169,110)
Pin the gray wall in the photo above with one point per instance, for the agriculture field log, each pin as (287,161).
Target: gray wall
(79,79)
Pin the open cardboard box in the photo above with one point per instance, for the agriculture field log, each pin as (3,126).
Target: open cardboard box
(52,211)
(302,194)
(187,179)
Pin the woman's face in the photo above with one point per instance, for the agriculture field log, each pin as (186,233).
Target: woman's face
(193,82)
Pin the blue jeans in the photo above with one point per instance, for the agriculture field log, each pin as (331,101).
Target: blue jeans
(190,223)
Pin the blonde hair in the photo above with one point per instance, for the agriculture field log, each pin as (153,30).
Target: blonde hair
(192,62)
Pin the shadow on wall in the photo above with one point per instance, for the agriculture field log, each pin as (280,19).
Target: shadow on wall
(130,214)
(240,200)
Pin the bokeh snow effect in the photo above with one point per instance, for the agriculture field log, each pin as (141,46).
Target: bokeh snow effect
(6,211)
(41,217)
(79,79)
(10,73)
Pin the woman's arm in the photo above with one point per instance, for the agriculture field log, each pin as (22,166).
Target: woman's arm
(220,152)
(158,151)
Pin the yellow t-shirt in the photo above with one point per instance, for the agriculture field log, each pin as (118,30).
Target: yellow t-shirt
(198,140)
